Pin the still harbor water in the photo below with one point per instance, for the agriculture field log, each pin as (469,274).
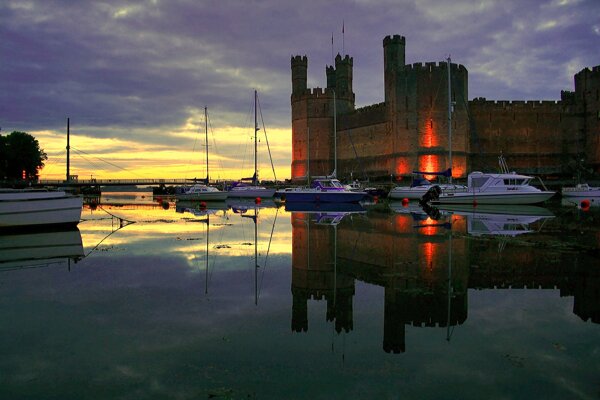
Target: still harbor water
(152,300)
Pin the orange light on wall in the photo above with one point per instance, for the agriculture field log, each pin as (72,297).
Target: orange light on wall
(430,137)
(429,163)
(299,170)
(401,167)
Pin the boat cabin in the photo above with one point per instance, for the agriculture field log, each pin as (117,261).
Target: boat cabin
(327,184)
(479,181)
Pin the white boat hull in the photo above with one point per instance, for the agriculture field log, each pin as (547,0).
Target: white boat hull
(493,198)
(573,192)
(417,192)
(36,211)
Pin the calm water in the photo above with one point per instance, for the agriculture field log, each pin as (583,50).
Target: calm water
(257,302)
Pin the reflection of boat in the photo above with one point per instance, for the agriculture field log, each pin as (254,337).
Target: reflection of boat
(35,207)
(39,248)
(495,188)
(254,190)
(196,209)
(581,190)
(504,220)
(582,202)
(323,207)
(203,192)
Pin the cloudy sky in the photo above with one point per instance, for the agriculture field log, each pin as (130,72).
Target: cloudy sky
(134,76)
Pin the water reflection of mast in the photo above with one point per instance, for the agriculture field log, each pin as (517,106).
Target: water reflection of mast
(449,282)
(254,219)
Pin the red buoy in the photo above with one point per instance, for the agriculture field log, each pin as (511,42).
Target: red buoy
(257,200)
(375,199)
(585,204)
(404,202)
(202,204)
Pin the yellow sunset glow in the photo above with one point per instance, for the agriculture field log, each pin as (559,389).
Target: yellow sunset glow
(231,155)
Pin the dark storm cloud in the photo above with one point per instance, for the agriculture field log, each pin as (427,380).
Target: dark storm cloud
(119,67)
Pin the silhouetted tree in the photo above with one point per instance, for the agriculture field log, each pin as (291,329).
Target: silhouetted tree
(19,151)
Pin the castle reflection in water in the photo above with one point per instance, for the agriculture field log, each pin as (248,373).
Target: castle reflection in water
(425,266)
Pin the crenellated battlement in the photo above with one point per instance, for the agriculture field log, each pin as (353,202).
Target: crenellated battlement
(522,104)
(430,66)
(299,60)
(396,39)
(346,60)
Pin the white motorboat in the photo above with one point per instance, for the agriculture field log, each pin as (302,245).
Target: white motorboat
(201,192)
(24,208)
(418,188)
(495,188)
(581,190)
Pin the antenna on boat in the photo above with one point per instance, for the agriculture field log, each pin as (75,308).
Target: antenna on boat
(206,140)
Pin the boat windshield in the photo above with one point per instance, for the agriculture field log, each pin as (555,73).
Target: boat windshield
(330,184)
(516,182)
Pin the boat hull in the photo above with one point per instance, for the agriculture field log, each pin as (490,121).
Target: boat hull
(417,192)
(593,192)
(493,198)
(39,211)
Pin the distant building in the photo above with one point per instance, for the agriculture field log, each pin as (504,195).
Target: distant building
(409,130)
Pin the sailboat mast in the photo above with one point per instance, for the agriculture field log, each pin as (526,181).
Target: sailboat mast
(308,156)
(334,137)
(206,140)
(255,178)
(68,151)
(449,120)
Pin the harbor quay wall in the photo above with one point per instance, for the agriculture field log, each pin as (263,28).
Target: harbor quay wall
(409,130)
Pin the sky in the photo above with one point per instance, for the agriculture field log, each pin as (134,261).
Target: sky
(134,76)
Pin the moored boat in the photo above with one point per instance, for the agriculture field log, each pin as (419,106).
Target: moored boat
(324,190)
(28,208)
(494,188)
(581,190)
(200,192)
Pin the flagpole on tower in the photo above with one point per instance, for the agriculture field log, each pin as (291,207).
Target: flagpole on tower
(332,58)
(343,43)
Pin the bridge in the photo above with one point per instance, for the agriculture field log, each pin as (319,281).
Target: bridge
(113,182)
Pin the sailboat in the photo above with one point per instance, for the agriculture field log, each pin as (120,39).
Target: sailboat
(203,192)
(326,189)
(253,190)
(420,186)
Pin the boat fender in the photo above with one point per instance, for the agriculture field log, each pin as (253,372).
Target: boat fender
(405,202)
(257,200)
(202,204)
(585,205)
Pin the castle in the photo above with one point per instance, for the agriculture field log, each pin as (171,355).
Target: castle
(409,130)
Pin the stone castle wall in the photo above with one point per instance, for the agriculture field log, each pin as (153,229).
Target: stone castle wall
(409,130)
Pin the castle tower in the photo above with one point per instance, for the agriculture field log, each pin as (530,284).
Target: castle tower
(299,74)
(393,61)
(587,97)
(343,84)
